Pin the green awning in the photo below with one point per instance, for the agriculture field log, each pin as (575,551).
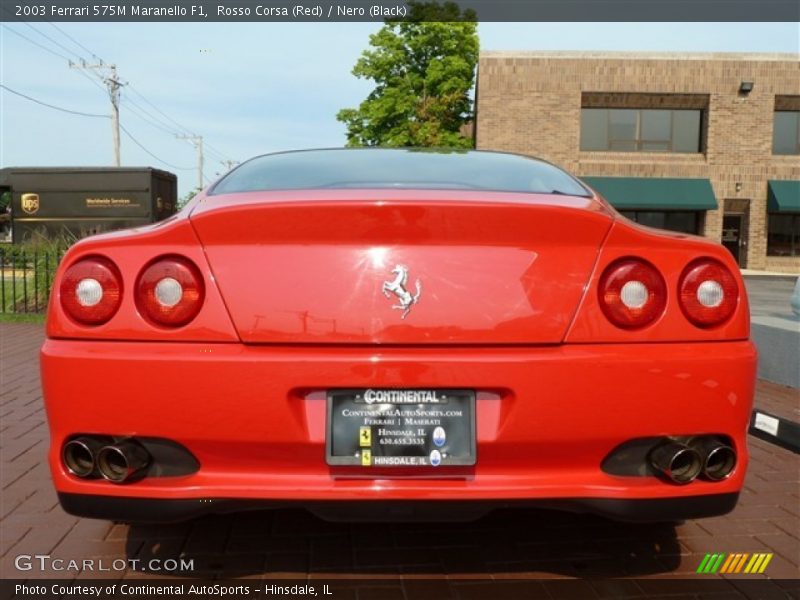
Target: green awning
(783,196)
(652,193)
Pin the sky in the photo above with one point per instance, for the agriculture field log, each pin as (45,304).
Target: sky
(251,88)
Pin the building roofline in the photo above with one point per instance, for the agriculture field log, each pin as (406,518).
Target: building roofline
(633,55)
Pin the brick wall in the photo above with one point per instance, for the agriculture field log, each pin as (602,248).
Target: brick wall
(530,103)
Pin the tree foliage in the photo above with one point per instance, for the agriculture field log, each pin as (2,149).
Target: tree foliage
(187,198)
(423,67)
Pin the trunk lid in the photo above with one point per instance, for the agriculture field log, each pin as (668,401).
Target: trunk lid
(405,267)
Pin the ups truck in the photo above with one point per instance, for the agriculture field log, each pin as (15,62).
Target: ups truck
(81,201)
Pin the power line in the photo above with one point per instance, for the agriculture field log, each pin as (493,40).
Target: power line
(170,119)
(214,154)
(128,133)
(53,52)
(76,42)
(187,132)
(94,82)
(154,120)
(45,48)
(208,146)
(44,35)
(135,110)
(66,110)
(218,152)
(135,141)
(113,85)
(157,123)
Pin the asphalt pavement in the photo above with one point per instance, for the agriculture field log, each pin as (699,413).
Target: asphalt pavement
(775,329)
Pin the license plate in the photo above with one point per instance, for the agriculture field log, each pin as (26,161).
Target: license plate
(401,427)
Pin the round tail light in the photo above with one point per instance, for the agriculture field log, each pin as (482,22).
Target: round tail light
(91,290)
(708,292)
(632,293)
(170,291)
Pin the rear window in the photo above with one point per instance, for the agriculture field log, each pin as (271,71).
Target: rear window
(399,169)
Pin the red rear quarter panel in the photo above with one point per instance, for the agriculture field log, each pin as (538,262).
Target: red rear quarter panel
(131,251)
(670,253)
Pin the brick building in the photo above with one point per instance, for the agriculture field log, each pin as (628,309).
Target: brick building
(703,143)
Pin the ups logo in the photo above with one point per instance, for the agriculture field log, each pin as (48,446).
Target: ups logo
(30,203)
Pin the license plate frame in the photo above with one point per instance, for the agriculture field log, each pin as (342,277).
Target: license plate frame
(344,445)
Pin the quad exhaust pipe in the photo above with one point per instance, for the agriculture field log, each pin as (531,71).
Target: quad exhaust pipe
(683,463)
(122,462)
(720,458)
(677,462)
(79,456)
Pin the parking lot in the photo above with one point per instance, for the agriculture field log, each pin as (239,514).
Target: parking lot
(487,558)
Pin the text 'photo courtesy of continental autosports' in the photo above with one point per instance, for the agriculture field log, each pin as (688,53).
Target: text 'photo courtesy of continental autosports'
(379,334)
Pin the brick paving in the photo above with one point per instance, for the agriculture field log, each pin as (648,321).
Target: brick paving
(779,400)
(510,546)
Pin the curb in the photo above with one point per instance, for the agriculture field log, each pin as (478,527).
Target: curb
(767,274)
(776,430)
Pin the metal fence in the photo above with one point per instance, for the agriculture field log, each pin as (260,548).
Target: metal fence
(26,276)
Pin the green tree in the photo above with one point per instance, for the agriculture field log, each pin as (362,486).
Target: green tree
(423,67)
(185,199)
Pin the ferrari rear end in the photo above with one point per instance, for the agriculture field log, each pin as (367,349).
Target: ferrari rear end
(394,334)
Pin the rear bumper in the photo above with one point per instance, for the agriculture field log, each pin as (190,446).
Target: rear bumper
(255,418)
(154,510)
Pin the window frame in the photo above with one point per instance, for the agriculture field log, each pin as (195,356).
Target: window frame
(795,234)
(699,215)
(796,114)
(637,141)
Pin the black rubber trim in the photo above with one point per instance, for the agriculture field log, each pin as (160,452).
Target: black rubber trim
(787,436)
(152,510)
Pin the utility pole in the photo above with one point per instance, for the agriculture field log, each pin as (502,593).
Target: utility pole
(197,142)
(111,79)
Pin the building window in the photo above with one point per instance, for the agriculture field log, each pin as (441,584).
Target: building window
(786,132)
(684,221)
(783,235)
(641,130)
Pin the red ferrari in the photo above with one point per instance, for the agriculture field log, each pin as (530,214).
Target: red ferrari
(388,334)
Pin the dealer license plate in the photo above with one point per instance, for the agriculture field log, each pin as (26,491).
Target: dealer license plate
(401,427)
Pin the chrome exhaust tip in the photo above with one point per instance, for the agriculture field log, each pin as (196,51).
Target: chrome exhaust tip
(719,461)
(678,462)
(121,462)
(79,456)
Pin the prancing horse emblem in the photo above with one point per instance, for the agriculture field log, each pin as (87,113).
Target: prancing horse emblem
(398,287)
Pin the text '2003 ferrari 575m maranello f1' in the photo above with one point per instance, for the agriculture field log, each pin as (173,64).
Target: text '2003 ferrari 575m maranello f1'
(383,333)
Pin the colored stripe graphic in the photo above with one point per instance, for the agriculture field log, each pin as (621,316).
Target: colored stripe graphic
(711,563)
(737,562)
(703,563)
(731,565)
(756,558)
(717,563)
(727,564)
(764,564)
(741,562)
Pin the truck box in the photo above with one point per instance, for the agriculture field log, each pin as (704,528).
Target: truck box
(81,201)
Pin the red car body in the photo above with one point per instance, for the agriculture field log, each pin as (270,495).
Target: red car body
(232,407)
